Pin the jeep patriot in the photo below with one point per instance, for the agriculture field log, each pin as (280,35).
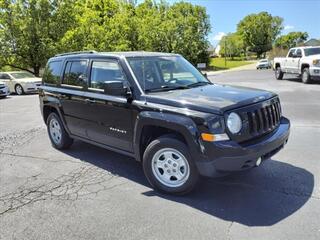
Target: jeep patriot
(160,110)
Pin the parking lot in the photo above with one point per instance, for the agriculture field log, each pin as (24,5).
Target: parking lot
(91,193)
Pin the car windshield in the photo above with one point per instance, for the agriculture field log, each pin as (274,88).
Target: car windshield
(20,75)
(165,73)
(311,51)
(263,61)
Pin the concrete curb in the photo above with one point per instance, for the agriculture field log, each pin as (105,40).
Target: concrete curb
(241,68)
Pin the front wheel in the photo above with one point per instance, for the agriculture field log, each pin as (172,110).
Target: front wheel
(19,89)
(279,73)
(169,167)
(306,78)
(57,134)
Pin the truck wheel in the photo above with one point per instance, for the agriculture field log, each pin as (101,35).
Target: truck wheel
(306,78)
(168,166)
(57,134)
(19,89)
(279,73)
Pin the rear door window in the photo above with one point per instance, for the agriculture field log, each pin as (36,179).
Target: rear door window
(75,73)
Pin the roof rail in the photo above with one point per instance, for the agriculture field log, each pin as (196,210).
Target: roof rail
(78,52)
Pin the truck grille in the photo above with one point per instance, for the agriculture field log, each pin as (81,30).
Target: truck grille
(258,120)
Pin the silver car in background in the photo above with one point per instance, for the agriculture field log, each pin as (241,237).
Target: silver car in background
(21,82)
(4,90)
(263,63)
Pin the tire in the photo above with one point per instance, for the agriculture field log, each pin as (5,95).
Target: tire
(18,89)
(306,78)
(278,73)
(58,136)
(163,172)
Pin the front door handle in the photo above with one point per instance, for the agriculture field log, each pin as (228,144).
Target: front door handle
(88,100)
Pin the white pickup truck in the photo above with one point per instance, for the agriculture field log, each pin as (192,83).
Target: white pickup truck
(301,61)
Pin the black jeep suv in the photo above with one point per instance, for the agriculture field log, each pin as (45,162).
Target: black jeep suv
(159,109)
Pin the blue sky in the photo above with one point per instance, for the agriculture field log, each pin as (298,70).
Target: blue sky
(298,15)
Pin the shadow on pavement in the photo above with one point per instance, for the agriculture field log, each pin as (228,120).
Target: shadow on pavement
(296,79)
(259,197)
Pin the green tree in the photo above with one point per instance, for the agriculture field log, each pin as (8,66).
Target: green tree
(113,25)
(231,45)
(30,31)
(259,31)
(291,39)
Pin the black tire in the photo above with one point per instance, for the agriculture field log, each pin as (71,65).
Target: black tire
(278,73)
(18,89)
(65,141)
(166,142)
(305,77)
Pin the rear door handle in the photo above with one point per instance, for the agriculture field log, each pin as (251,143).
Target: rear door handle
(88,100)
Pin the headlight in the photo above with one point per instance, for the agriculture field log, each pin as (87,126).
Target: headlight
(316,62)
(234,123)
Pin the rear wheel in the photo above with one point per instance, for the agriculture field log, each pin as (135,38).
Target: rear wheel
(19,89)
(278,73)
(306,78)
(57,134)
(169,167)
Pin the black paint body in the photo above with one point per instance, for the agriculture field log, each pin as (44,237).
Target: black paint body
(122,124)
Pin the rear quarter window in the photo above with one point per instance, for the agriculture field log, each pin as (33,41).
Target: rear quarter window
(52,73)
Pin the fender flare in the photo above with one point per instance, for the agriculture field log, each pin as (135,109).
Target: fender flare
(54,103)
(178,123)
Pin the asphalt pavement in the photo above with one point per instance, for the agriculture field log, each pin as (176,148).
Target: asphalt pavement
(90,193)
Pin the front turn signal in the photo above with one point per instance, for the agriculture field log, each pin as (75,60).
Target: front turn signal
(207,137)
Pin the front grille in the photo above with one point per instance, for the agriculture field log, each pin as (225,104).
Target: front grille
(258,120)
(264,119)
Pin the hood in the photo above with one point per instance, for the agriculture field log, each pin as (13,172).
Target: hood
(29,80)
(316,56)
(210,98)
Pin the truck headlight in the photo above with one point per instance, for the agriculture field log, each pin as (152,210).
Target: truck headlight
(316,62)
(234,123)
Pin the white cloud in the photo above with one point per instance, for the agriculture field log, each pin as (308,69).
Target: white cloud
(288,27)
(218,36)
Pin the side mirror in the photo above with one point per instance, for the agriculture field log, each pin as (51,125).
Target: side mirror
(116,88)
(205,75)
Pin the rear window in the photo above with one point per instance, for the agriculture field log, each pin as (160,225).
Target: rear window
(52,73)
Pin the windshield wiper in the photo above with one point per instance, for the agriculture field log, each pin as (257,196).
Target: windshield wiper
(197,84)
(167,88)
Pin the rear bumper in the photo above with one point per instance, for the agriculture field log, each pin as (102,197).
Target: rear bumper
(229,156)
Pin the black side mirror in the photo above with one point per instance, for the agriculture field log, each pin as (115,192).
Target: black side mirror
(205,75)
(116,88)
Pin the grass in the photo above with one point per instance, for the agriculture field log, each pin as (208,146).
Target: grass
(219,63)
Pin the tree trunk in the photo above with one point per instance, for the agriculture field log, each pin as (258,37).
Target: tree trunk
(36,71)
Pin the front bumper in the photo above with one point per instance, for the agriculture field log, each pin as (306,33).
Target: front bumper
(4,91)
(31,88)
(230,156)
(315,73)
